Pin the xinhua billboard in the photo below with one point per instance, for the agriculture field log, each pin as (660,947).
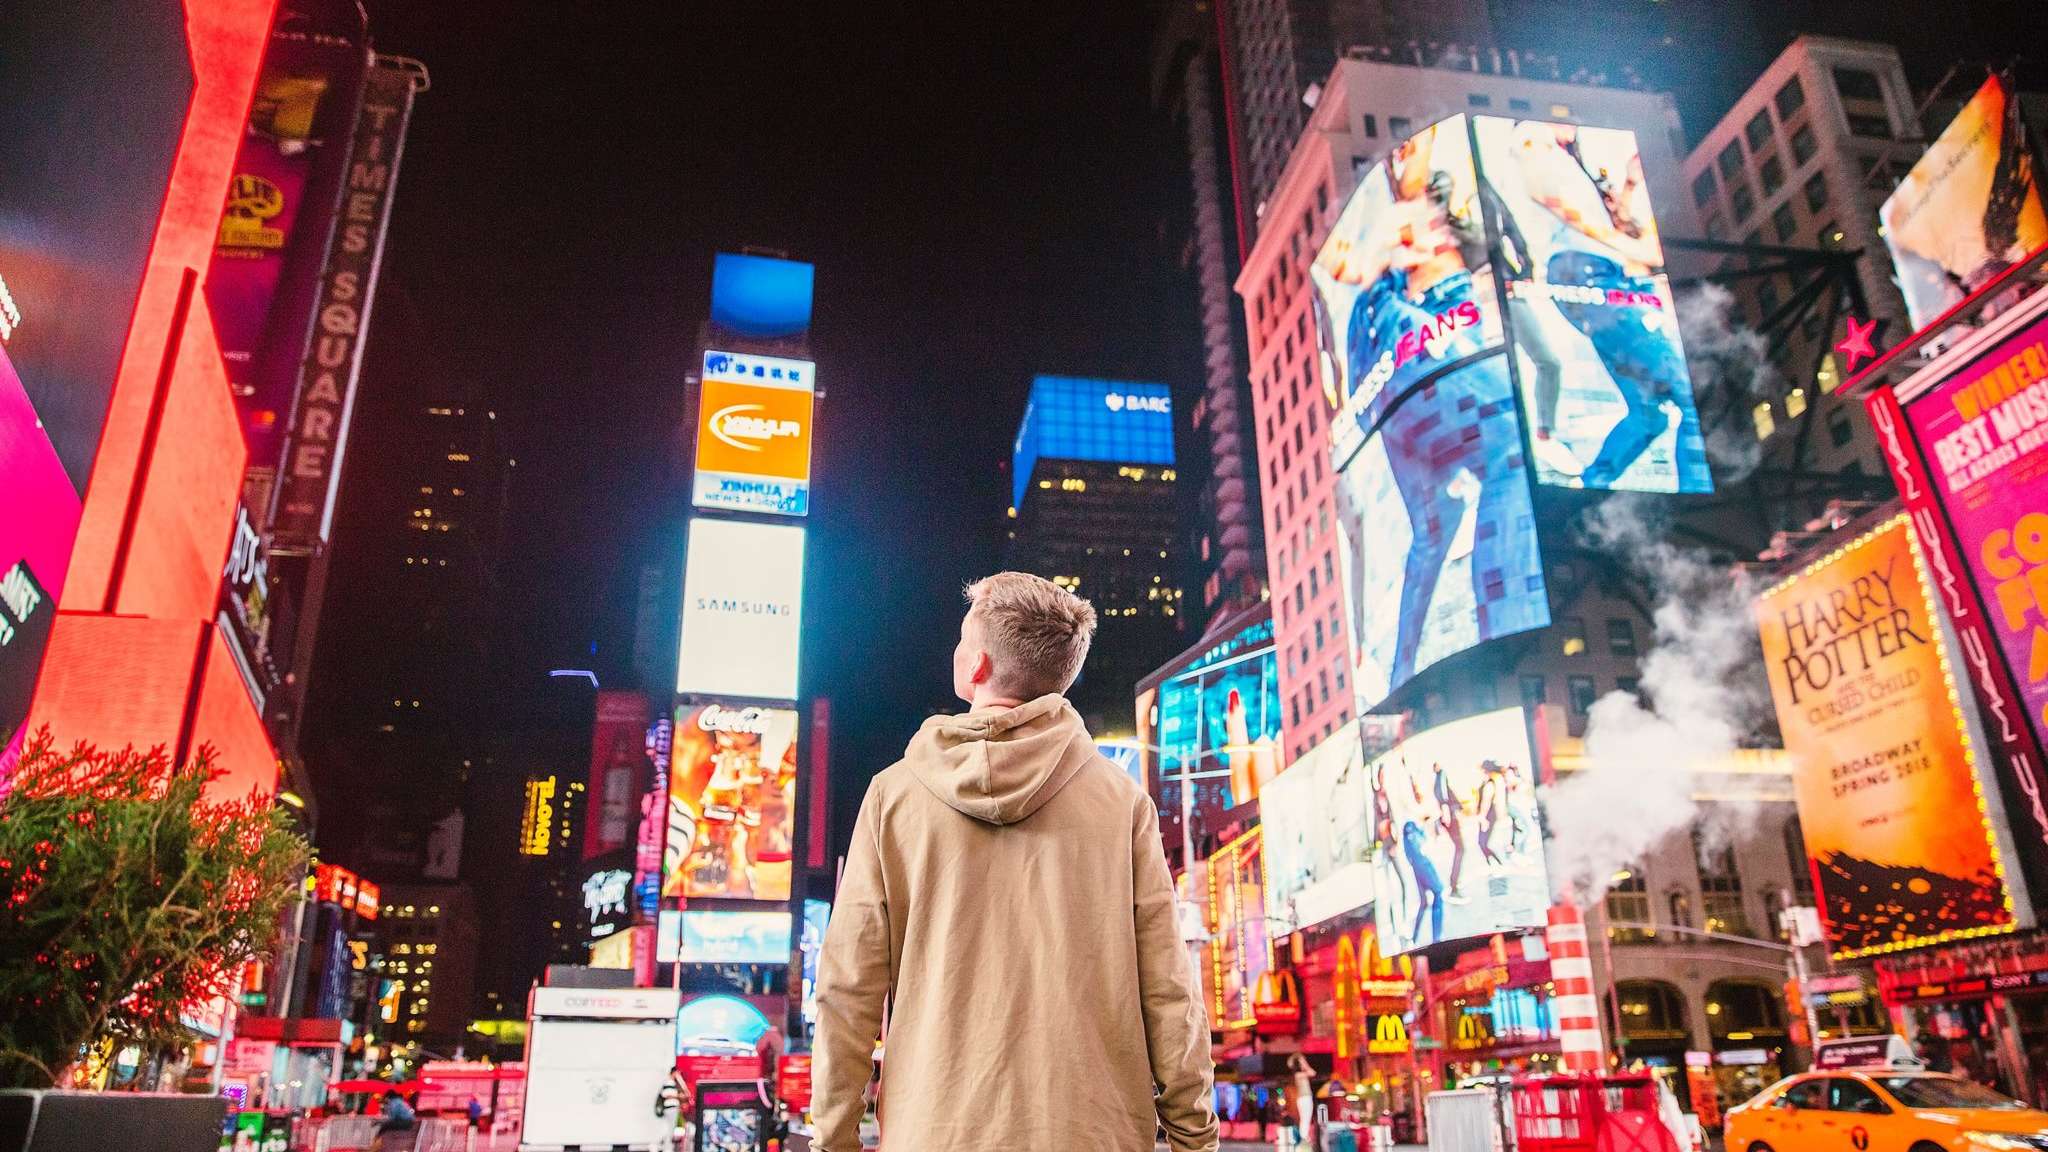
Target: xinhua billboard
(754,434)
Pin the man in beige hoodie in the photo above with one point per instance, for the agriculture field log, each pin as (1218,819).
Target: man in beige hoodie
(1006,895)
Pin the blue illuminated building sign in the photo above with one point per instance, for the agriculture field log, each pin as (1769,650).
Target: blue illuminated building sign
(1073,418)
(760,296)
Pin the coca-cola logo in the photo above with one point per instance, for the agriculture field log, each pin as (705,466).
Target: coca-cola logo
(750,721)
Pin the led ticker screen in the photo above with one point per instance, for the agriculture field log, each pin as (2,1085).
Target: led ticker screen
(754,434)
(1604,383)
(1969,209)
(1438,529)
(743,588)
(761,296)
(720,937)
(1219,725)
(1070,418)
(1457,851)
(731,803)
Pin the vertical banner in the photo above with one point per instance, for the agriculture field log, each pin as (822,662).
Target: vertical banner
(653,835)
(618,758)
(280,211)
(318,435)
(1967,455)
(1897,831)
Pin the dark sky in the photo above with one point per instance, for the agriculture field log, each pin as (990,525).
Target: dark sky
(981,191)
(984,191)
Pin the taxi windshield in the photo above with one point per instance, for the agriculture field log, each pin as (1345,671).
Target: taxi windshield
(1944,1092)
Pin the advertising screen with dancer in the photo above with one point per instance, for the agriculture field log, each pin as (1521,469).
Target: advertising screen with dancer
(1589,308)
(1457,850)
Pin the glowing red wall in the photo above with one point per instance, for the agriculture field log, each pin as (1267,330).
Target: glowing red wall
(132,657)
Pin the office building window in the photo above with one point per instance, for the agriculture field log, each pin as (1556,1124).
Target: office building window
(1872,127)
(1791,98)
(1817,192)
(1621,637)
(1832,236)
(1579,689)
(1840,431)
(1803,146)
(1319,631)
(1766,421)
(1743,201)
(1767,297)
(1858,84)
(1730,160)
(1571,636)
(1785,222)
(1397,127)
(1372,126)
(1703,187)
(1479,100)
(1516,104)
(1772,174)
(1758,130)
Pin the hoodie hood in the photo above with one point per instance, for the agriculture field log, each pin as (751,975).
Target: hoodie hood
(999,765)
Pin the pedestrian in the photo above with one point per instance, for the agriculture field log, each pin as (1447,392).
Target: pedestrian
(1304,1098)
(1007,894)
(475,1109)
(395,1127)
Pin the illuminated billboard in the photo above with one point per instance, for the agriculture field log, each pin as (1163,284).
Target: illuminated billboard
(1217,722)
(811,946)
(762,297)
(618,769)
(608,900)
(1072,418)
(1318,841)
(754,434)
(1437,527)
(1239,949)
(731,803)
(1590,316)
(537,818)
(1895,826)
(721,937)
(36,534)
(1969,209)
(743,590)
(1457,851)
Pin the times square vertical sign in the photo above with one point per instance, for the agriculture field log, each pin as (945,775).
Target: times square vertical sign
(333,359)
(1967,443)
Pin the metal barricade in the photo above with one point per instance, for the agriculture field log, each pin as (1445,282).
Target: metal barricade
(1467,1119)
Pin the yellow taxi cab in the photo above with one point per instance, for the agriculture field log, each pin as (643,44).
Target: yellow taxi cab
(1883,1109)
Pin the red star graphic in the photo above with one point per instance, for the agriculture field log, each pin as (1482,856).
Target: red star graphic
(1857,346)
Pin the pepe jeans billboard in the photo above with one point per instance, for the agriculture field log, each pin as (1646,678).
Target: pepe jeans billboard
(754,434)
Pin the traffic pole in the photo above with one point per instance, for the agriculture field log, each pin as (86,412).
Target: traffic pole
(1574,1005)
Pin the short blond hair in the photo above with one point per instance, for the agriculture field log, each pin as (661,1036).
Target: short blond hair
(1036,632)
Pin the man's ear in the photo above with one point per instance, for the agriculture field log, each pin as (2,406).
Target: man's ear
(984,669)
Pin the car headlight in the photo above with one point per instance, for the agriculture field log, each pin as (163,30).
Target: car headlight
(2007,1141)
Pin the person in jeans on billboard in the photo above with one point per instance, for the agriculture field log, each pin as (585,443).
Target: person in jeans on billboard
(1006,896)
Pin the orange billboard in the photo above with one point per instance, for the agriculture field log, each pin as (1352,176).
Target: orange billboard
(1902,848)
(754,434)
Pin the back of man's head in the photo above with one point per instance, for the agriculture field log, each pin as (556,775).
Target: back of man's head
(1035,633)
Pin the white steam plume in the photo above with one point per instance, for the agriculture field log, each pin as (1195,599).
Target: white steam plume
(1645,754)
(1729,365)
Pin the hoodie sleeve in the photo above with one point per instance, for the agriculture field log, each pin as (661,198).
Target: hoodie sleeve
(853,983)
(1176,1028)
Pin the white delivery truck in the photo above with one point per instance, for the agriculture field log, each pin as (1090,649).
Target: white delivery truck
(597,1060)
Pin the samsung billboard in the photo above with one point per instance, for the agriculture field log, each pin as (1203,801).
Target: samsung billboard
(743,590)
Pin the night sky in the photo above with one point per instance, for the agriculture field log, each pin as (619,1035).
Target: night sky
(986,194)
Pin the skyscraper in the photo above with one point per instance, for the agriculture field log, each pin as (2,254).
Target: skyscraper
(1094,499)
(1237,76)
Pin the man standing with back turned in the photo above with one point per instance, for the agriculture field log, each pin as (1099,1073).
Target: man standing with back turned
(1007,895)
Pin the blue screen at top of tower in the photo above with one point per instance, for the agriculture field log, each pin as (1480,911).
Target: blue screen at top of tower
(760,296)
(1073,418)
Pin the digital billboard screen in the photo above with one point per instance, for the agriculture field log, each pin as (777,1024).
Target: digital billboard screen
(1969,209)
(1984,431)
(764,297)
(618,771)
(754,434)
(1239,949)
(743,591)
(36,534)
(1895,825)
(724,937)
(1457,849)
(1318,838)
(1218,725)
(731,803)
(1590,315)
(1433,500)
(811,946)
(1073,418)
